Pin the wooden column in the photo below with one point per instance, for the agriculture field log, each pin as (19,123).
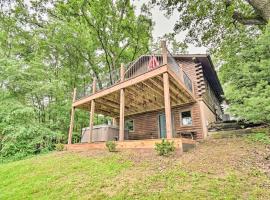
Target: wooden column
(203,119)
(122,106)
(114,122)
(71,125)
(92,113)
(164,52)
(167,102)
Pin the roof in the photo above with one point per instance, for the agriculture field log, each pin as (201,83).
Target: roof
(208,70)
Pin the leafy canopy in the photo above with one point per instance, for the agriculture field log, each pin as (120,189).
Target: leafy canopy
(49,47)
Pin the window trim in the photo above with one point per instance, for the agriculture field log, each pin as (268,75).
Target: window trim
(181,121)
(133,122)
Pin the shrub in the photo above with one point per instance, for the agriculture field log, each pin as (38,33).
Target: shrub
(165,148)
(111,145)
(26,140)
(59,147)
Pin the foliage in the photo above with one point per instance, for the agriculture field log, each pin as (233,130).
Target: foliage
(259,137)
(247,83)
(111,146)
(59,147)
(165,148)
(208,22)
(49,47)
(20,133)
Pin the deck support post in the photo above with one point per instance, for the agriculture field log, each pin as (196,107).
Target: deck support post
(92,112)
(72,118)
(122,106)
(164,52)
(166,86)
(167,103)
(114,122)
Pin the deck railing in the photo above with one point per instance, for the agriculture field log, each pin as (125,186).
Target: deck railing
(108,79)
(175,67)
(187,81)
(86,90)
(142,65)
(173,64)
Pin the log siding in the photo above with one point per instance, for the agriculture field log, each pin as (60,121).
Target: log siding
(146,125)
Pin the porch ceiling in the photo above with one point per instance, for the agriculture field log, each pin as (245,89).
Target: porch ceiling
(144,96)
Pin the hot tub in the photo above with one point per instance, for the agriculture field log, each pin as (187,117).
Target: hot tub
(102,133)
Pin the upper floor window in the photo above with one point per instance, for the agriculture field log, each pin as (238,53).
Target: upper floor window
(129,125)
(186,118)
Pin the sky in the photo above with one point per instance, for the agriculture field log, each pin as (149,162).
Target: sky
(164,25)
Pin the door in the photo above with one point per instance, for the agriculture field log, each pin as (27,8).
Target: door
(162,125)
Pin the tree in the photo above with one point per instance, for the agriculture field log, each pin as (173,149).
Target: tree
(49,47)
(246,79)
(209,23)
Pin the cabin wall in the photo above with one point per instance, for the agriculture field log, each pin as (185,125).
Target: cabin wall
(196,120)
(202,89)
(146,125)
(210,116)
(211,100)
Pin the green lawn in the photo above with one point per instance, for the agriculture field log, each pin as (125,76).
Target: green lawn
(216,169)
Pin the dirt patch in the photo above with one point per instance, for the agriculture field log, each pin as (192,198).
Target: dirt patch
(217,156)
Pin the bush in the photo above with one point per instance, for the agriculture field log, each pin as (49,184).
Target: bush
(59,147)
(111,145)
(23,140)
(165,148)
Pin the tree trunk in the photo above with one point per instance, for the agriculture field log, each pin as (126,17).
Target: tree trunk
(262,8)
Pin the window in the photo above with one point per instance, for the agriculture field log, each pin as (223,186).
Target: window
(186,118)
(129,125)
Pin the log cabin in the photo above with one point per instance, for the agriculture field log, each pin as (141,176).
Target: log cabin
(156,96)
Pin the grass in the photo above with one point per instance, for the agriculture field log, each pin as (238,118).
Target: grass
(230,168)
(57,176)
(259,137)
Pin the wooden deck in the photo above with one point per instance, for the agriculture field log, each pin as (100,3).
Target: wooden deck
(142,94)
(161,87)
(129,144)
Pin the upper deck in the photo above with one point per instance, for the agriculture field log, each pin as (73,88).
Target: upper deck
(143,83)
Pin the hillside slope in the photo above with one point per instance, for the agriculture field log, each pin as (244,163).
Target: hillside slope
(215,169)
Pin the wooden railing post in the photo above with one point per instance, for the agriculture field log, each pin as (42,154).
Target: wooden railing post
(168,115)
(164,52)
(122,107)
(92,112)
(71,125)
(122,72)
